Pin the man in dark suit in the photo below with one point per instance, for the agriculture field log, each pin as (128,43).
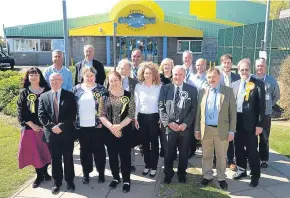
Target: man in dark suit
(89,61)
(128,83)
(227,78)
(177,109)
(250,96)
(57,112)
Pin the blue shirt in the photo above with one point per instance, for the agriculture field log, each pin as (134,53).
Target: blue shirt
(64,72)
(125,83)
(212,106)
(199,82)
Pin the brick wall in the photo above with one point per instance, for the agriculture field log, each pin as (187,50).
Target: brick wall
(32,58)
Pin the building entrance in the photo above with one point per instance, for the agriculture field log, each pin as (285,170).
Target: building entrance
(148,46)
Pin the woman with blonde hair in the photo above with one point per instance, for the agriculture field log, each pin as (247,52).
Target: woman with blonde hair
(165,69)
(146,114)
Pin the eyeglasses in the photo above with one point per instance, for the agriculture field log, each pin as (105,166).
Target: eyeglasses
(244,70)
(54,80)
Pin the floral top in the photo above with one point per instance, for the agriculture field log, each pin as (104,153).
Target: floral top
(118,107)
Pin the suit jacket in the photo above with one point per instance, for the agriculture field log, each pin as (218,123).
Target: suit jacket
(100,76)
(234,78)
(66,116)
(166,106)
(227,116)
(254,108)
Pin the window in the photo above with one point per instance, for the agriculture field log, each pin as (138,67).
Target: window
(45,45)
(37,45)
(26,44)
(193,45)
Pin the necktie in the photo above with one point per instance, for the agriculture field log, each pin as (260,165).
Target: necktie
(212,103)
(55,106)
(135,72)
(176,101)
(227,81)
(187,74)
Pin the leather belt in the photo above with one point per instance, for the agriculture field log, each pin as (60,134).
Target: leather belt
(215,126)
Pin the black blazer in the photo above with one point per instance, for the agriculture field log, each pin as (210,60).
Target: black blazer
(100,76)
(66,117)
(254,108)
(166,105)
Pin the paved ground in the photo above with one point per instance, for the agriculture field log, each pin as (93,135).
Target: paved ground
(274,182)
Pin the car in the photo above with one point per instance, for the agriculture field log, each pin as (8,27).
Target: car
(6,60)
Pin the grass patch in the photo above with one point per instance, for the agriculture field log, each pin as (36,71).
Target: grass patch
(192,188)
(279,139)
(11,176)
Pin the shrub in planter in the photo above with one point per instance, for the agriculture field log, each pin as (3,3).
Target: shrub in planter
(9,88)
(11,107)
(284,81)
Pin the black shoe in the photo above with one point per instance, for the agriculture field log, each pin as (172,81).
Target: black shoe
(254,182)
(126,187)
(182,179)
(86,180)
(191,154)
(37,182)
(133,169)
(145,171)
(239,174)
(114,184)
(71,187)
(47,177)
(205,182)
(264,164)
(223,185)
(55,189)
(167,180)
(101,179)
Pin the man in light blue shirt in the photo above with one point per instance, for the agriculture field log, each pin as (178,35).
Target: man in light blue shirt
(199,79)
(272,91)
(56,67)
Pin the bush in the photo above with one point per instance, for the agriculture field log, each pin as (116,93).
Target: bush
(284,81)
(11,107)
(9,88)
(7,74)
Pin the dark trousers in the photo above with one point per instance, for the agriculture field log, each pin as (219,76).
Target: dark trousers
(62,148)
(41,171)
(264,139)
(245,137)
(92,147)
(192,144)
(149,129)
(116,148)
(181,140)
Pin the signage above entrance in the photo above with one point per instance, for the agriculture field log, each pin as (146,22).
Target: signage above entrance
(137,20)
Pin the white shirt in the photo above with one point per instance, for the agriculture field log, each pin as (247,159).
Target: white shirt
(241,95)
(146,98)
(125,83)
(87,109)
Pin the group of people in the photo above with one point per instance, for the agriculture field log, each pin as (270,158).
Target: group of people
(150,106)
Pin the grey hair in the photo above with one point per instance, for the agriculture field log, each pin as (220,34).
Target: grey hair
(55,74)
(88,46)
(187,52)
(88,69)
(57,51)
(177,67)
(245,60)
(124,61)
(261,59)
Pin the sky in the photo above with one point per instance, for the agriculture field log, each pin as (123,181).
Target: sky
(21,12)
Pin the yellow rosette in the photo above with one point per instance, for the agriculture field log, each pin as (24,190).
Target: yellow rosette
(249,86)
(97,96)
(32,98)
(124,100)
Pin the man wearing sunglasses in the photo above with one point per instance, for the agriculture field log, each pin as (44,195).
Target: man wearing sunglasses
(250,100)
